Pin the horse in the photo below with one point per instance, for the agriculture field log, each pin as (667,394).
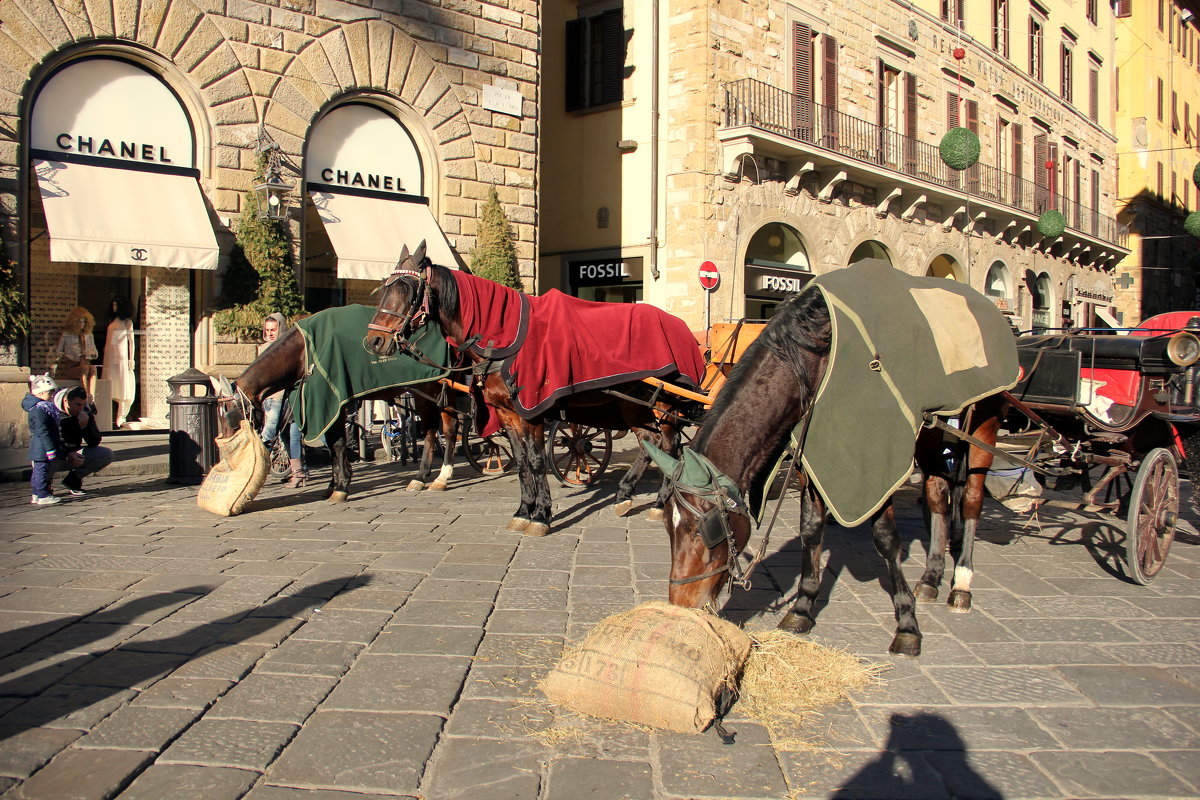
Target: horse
(282,366)
(769,391)
(420,289)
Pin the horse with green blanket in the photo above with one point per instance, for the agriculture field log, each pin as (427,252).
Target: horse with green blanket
(322,364)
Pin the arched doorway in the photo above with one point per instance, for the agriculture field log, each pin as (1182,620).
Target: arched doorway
(1040,292)
(870,249)
(776,265)
(944,266)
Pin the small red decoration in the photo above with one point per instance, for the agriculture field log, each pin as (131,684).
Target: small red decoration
(1049,164)
(959,53)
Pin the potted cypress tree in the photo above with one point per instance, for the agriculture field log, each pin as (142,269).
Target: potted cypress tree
(495,253)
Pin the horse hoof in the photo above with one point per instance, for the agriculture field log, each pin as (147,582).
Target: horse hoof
(517,524)
(796,623)
(414,486)
(622,508)
(925,593)
(537,529)
(959,601)
(338,497)
(654,514)
(906,644)
(436,486)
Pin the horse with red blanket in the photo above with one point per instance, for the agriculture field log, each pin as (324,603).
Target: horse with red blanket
(543,357)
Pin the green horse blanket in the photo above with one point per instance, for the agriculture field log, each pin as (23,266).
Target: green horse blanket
(340,367)
(902,346)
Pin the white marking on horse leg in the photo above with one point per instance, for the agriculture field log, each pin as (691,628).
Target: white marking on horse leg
(962,578)
(443,478)
(676,518)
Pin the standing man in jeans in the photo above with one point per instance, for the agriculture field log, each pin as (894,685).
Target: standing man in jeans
(80,436)
(273,405)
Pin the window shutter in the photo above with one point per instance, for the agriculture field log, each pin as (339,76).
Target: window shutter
(1052,174)
(612,65)
(960,8)
(574,73)
(830,80)
(910,122)
(802,79)
(1040,178)
(1124,8)
(1094,95)
(973,116)
(951,110)
(1018,161)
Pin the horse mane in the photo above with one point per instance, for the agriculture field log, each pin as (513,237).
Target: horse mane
(799,326)
(447,293)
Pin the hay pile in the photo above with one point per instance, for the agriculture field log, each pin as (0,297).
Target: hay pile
(787,679)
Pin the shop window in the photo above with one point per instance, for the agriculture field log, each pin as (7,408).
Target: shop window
(870,249)
(595,67)
(996,283)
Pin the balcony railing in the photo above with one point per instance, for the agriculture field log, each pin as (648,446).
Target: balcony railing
(759,105)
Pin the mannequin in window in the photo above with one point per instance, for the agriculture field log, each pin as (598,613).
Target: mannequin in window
(119,362)
(76,349)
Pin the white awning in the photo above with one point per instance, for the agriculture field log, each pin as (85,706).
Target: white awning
(1103,313)
(368,232)
(111,215)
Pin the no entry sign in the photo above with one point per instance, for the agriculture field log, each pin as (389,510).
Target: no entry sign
(710,276)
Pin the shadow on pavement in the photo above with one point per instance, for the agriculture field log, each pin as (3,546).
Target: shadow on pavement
(133,664)
(902,770)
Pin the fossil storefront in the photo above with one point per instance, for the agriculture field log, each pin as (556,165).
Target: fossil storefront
(116,218)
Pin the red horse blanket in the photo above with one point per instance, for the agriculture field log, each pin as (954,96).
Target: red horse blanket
(555,345)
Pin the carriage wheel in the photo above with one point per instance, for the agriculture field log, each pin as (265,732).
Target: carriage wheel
(578,454)
(281,464)
(1153,512)
(391,439)
(491,455)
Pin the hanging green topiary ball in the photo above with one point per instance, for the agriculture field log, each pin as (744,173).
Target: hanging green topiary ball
(960,148)
(1196,175)
(1052,223)
(1191,224)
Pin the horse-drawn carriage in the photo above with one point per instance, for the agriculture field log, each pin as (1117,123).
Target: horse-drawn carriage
(1127,403)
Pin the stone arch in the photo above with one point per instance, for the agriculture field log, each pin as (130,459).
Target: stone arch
(379,60)
(947,264)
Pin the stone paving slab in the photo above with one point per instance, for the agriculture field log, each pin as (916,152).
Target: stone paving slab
(392,647)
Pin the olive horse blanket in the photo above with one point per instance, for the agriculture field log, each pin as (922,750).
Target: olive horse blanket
(901,346)
(341,368)
(555,345)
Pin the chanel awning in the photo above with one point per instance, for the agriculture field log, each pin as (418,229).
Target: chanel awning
(369,229)
(149,215)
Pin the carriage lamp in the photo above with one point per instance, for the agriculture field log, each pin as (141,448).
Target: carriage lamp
(1183,349)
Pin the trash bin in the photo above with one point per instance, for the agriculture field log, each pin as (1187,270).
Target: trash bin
(193,420)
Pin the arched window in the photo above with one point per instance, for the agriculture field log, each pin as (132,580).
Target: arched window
(943,267)
(870,249)
(996,283)
(777,245)
(776,265)
(1040,290)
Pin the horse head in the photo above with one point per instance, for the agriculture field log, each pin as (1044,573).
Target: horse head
(232,405)
(708,523)
(403,303)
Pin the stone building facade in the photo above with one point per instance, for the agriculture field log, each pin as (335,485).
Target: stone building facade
(1158,124)
(449,91)
(774,141)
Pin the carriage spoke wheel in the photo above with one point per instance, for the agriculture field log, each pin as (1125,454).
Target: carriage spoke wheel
(281,464)
(490,455)
(1153,512)
(578,454)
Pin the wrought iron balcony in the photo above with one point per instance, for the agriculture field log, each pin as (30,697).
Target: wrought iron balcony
(755,104)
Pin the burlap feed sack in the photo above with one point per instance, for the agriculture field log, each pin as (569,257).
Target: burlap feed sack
(657,664)
(235,480)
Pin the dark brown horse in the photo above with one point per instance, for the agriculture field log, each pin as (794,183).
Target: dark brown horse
(420,289)
(743,437)
(282,366)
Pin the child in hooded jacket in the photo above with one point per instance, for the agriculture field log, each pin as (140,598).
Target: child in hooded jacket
(45,438)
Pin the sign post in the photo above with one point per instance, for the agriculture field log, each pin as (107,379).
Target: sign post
(710,278)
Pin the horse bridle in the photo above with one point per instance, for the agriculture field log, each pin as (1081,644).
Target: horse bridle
(413,316)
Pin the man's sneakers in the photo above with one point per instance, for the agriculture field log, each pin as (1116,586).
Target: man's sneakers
(74,485)
(48,500)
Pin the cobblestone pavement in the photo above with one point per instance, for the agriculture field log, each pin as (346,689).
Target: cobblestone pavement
(391,647)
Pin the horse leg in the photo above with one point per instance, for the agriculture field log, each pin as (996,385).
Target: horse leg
(628,484)
(450,436)
(937,513)
(799,618)
(516,437)
(339,482)
(907,641)
(963,549)
(535,443)
(425,411)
